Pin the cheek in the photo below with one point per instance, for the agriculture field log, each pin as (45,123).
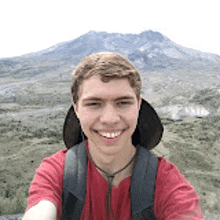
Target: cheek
(132,117)
(85,126)
(136,116)
(86,120)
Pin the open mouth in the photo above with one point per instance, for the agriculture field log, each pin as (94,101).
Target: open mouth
(110,135)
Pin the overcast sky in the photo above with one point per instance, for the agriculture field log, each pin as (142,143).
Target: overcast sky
(33,25)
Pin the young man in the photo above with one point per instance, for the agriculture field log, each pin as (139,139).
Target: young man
(108,171)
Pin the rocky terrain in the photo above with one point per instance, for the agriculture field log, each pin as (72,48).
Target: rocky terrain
(182,84)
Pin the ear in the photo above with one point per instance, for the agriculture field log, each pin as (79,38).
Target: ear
(75,107)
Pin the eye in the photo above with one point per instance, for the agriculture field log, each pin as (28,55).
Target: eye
(93,104)
(123,103)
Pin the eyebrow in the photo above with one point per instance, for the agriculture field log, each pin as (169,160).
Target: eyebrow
(126,97)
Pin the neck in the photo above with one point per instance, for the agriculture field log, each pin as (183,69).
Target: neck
(114,162)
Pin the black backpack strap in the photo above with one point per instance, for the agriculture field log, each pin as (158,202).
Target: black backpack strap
(148,213)
(74,182)
(71,207)
(143,185)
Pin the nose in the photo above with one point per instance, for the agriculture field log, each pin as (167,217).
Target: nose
(110,115)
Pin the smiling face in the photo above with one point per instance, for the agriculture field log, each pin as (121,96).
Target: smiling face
(108,113)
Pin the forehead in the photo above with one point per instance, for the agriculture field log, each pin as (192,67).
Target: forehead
(116,87)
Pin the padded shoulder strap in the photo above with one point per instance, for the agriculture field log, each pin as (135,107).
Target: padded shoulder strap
(72,207)
(74,182)
(143,184)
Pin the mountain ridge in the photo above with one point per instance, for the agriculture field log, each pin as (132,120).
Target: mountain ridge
(149,50)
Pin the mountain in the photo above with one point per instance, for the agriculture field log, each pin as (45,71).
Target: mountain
(172,75)
(149,50)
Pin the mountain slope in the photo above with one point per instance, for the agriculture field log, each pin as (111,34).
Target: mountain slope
(150,51)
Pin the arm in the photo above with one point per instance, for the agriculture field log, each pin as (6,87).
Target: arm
(44,210)
(45,192)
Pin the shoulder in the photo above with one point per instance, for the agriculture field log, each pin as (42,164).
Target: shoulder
(53,164)
(174,195)
(169,177)
(48,181)
(59,156)
(51,169)
(167,170)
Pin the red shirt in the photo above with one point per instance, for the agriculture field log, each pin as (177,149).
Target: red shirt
(174,199)
(96,193)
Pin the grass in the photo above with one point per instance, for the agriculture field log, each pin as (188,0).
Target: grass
(15,205)
(192,145)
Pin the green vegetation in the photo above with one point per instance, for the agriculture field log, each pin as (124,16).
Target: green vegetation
(15,204)
(191,144)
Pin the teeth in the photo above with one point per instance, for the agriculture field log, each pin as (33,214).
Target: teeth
(110,135)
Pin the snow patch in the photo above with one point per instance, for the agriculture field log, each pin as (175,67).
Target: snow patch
(177,112)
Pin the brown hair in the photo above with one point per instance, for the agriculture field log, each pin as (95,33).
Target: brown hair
(107,66)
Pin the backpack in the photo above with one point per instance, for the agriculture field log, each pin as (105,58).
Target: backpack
(74,184)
